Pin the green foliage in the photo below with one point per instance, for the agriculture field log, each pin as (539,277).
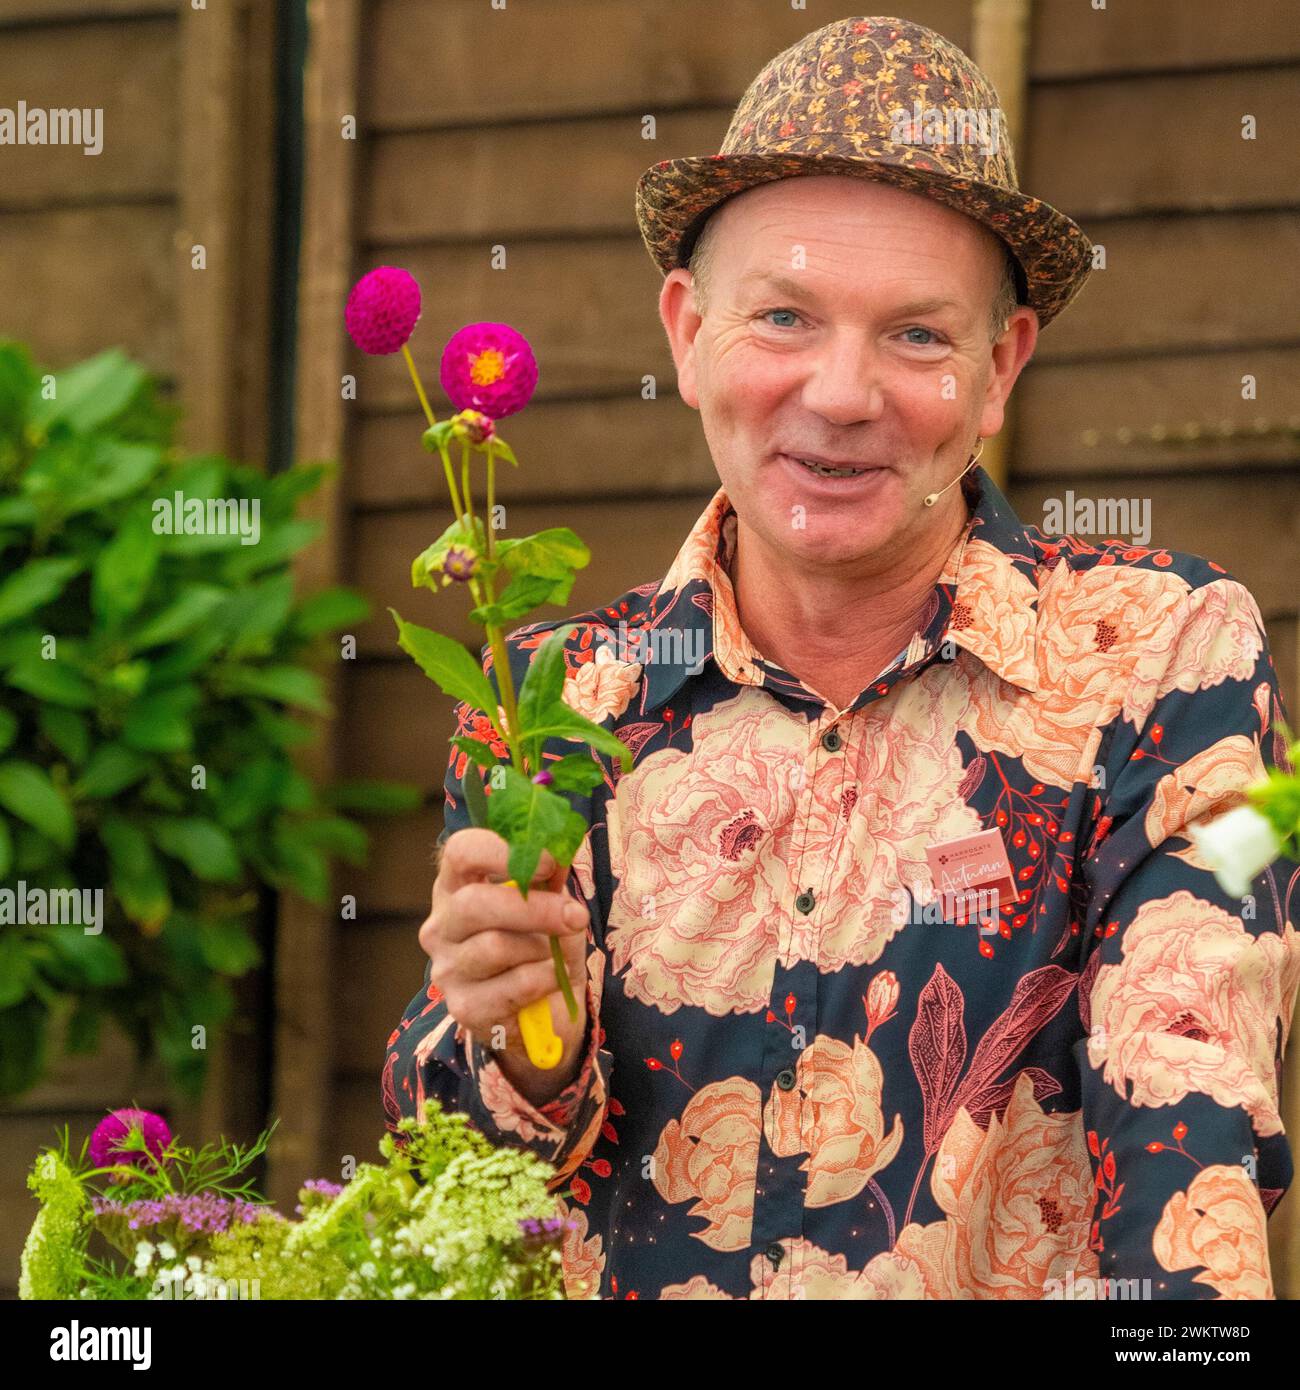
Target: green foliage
(446,1216)
(149,688)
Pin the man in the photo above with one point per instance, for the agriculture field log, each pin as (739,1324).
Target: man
(903,977)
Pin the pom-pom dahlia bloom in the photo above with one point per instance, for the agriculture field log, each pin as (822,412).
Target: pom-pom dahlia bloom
(489,367)
(127,1136)
(382,310)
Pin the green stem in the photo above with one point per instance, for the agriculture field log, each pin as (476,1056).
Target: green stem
(419,389)
(451,485)
(491,485)
(464,482)
(562,976)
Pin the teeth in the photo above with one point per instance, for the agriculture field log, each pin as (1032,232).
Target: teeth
(831,472)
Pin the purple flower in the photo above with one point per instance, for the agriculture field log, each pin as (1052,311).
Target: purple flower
(544,778)
(127,1136)
(194,1213)
(382,310)
(460,563)
(489,367)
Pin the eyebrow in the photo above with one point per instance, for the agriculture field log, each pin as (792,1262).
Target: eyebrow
(783,284)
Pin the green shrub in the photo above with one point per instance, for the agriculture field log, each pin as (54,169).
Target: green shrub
(153,687)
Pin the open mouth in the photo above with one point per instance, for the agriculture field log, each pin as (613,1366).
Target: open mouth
(820,470)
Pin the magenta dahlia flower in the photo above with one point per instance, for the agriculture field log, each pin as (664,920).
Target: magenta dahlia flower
(489,367)
(126,1136)
(382,310)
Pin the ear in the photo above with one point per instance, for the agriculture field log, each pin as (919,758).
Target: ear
(681,323)
(1010,353)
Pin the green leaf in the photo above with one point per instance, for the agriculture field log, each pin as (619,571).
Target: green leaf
(159,723)
(531,819)
(27,792)
(562,722)
(201,845)
(336,836)
(17,969)
(90,393)
(278,544)
(372,798)
(193,604)
(111,769)
(521,596)
(476,750)
(8,727)
(287,685)
(68,478)
(256,614)
(575,772)
(329,611)
(449,665)
(95,960)
(6,848)
(22,1045)
(124,569)
(476,799)
(67,731)
(227,947)
(299,865)
(553,553)
(55,681)
(544,680)
(137,877)
(36,584)
(18,384)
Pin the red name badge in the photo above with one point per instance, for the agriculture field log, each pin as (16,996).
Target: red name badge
(972,875)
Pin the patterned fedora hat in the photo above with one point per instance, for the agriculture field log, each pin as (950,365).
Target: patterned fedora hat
(880,99)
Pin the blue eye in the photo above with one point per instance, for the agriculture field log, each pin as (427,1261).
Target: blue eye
(791,312)
(934,337)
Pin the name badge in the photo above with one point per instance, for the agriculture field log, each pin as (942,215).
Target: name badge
(972,875)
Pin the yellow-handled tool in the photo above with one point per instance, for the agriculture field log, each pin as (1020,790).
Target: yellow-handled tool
(541,1041)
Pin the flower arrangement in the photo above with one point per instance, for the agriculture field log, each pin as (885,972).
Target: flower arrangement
(489,372)
(447,1216)
(1246,840)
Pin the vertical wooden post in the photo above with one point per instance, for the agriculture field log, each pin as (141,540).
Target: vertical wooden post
(1000,46)
(204,303)
(305,941)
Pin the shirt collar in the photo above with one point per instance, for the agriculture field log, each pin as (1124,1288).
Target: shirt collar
(985,601)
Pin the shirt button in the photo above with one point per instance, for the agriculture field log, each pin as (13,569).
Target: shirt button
(785,1079)
(805,901)
(831,741)
(775,1254)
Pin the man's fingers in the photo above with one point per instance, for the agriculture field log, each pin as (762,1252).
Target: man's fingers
(477,855)
(488,954)
(478,907)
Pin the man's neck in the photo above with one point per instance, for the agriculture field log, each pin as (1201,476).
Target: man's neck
(835,634)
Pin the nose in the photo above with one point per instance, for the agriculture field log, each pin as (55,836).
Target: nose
(844,382)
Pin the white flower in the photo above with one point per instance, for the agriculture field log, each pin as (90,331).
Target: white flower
(194,1262)
(367,1270)
(167,1250)
(1236,846)
(143,1255)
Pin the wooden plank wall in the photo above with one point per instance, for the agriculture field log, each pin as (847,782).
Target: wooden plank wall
(526,133)
(95,251)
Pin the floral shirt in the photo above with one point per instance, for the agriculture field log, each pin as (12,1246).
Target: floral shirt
(812,1075)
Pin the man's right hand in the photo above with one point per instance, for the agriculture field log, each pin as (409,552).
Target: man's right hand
(490,954)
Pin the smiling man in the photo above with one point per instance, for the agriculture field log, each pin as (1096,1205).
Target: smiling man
(904,978)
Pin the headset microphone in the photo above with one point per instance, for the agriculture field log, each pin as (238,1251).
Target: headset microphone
(933,497)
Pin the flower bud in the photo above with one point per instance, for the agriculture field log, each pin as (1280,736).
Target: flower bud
(473,427)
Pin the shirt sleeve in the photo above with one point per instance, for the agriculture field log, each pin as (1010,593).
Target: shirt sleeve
(430,1056)
(1187,993)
